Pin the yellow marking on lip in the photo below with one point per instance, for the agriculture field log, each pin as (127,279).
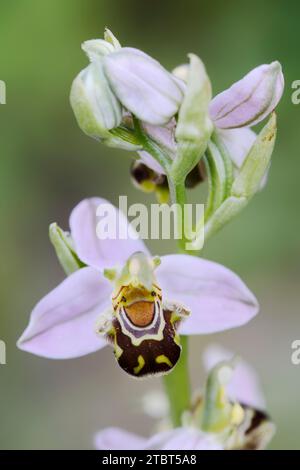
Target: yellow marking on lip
(162,359)
(141,363)
(237,414)
(117,349)
(177,340)
(118,293)
(157,287)
(131,293)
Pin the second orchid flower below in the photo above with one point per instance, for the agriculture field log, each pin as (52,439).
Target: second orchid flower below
(228,414)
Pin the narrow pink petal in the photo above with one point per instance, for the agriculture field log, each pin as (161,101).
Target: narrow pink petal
(238,143)
(151,163)
(176,439)
(118,439)
(244,385)
(164,137)
(108,252)
(62,324)
(218,298)
(185,438)
(249,100)
(143,86)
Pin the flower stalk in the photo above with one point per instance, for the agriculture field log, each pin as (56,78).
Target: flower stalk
(177,386)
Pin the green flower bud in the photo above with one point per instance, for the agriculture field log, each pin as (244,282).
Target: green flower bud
(97,110)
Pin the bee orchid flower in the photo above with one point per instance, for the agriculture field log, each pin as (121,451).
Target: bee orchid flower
(119,294)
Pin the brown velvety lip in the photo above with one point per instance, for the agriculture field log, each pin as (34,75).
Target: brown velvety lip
(140,313)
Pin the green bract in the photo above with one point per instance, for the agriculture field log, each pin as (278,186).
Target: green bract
(194,126)
(64,249)
(248,180)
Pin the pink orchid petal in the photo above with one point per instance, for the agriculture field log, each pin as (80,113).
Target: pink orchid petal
(249,100)
(118,439)
(151,163)
(185,438)
(176,439)
(218,298)
(238,142)
(244,385)
(143,86)
(62,324)
(164,137)
(102,253)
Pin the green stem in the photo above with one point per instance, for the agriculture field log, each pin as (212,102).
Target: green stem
(178,197)
(177,385)
(227,162)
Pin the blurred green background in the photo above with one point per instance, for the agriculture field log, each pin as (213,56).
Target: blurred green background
(47,165)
